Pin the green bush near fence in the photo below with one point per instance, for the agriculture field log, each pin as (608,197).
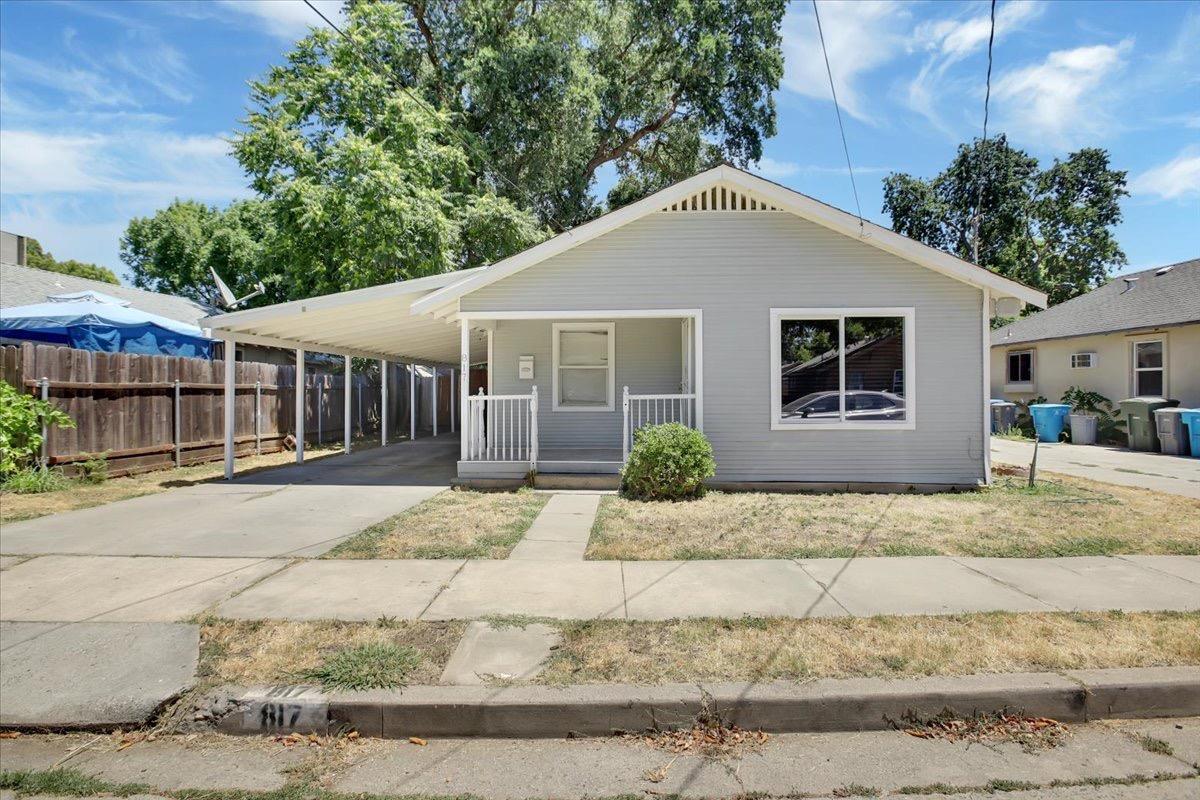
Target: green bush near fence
(21,420)
(667,462)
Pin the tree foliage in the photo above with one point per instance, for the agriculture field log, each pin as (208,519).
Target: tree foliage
(552,92)
(38,258)
(173,250)
(1052,229)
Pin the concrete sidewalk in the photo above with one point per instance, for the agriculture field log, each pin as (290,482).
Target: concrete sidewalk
(290,511)
(72,588)
(1172,474)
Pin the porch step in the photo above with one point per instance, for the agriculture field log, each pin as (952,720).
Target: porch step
(579,467)
(576,480)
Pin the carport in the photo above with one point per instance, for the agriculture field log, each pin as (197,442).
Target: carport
(374,323)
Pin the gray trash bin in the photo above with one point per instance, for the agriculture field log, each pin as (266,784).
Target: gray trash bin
(1083,428)
(1004,416)
(1172,435)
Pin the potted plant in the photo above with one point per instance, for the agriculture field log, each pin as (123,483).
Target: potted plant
(1091,412)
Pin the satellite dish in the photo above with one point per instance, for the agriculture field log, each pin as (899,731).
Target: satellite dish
(227,297)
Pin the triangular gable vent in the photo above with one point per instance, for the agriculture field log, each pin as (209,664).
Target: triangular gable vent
(721,198)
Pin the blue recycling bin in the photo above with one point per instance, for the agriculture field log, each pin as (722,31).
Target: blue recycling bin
(1049,419)
(1191,419)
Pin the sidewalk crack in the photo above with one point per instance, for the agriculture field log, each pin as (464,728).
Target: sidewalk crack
(1007,585)
(441,589)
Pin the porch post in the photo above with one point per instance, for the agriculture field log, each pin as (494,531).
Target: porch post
(347,408)
(300,381)
(383,400)
(698,355)
(412,402)
(230,416)
(452,393)
(435,408)
(464,369)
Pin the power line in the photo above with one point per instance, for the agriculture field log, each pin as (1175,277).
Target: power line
(987,97)
(386,70)
(837,108)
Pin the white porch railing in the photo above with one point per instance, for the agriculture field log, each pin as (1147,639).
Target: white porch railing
(502,427)
(653,409)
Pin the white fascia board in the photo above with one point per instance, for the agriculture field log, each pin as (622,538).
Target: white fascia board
(787,199)
(566,240)
(369,294)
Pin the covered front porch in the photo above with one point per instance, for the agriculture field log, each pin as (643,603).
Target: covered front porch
(566,390)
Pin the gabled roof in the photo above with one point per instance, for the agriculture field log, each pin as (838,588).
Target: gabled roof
(23,286)
(1151,298)
(771,196)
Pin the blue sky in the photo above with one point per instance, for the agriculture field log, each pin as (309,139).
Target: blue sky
(108,110)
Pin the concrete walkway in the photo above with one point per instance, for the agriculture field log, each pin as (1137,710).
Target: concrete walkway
(561,531)
(290,511)
(1172,474)
(70,589)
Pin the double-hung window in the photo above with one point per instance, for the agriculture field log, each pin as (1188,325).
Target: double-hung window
(1149,378)
(842,368)
(583,366)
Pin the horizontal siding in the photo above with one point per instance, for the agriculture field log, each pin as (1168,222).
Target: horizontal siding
(735,267)
(647,361)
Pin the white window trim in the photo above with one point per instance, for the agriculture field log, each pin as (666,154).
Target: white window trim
(610,329)
(778,315)
(1028,386)
(1134,369)
(1091,360)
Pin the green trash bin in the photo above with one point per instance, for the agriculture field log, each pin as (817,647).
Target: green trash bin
(1139,421)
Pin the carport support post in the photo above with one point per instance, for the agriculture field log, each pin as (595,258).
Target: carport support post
(452,399)
(464,368)
(412,402)
(230,366)
(383,380)
(347,411)
(300,406)
(435,379)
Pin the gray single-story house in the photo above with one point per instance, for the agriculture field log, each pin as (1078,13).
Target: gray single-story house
(691,305)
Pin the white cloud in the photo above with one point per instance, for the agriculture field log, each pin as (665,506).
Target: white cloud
(1065,99)
(778,170)
(951,40)
(80,85)
(1177,179)
(860,36)
(770,168)
(287,19)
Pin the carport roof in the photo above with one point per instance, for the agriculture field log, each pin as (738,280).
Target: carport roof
(375,322)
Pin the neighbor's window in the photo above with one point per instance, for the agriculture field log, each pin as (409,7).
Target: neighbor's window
(1020,366)
(1083,360)
(842,368)
(583,366)
(1148,369)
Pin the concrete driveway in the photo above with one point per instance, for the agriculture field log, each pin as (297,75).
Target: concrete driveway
(290,511)
(1172,474)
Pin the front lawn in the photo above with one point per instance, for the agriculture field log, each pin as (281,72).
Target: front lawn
(1060,516)
(453,524)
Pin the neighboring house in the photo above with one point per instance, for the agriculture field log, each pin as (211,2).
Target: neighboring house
(13,248)
(1138,334)
(24,286)
(691,299)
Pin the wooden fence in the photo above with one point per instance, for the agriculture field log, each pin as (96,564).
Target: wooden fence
(145,412)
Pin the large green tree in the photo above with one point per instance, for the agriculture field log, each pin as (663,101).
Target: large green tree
(1052,229)
(173,250)
(38,258)
(554,91)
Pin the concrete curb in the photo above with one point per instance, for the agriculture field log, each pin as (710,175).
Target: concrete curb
(817,706)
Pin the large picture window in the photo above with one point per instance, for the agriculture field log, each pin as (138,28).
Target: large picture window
(842,368)
(583,366)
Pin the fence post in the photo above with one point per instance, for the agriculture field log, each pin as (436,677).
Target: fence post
(257,412)
(45,454)
(178,428)
(533,428)
(625,423)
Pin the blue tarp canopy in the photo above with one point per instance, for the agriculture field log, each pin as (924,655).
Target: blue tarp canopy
(105,324)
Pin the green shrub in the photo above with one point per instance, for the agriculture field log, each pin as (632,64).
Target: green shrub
(667,462)
(21,417)
(94,470)
(34,480)
(1109,429)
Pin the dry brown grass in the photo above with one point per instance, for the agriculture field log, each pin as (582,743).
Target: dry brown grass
(453,524)
(1061,516)
(683,651)
(15,507)
(256,652)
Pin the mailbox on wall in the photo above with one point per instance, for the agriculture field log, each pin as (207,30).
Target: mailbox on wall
(525,368)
